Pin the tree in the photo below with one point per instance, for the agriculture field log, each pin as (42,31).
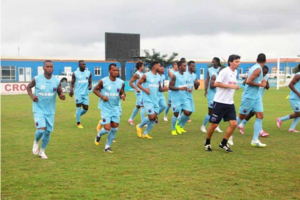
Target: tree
(296,69)
(164,61)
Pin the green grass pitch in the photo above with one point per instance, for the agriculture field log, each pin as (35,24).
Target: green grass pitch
(167,167)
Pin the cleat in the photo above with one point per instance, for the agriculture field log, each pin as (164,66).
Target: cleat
(79,126)
(182,130)
(156,121)
(138,131)
(178,128)
(226,148)
(278,122)
(208,147)
(241,129)
(35,148)
(189,121)
(174,132)
(257,143)
(203,129)
(147,137)
(218,129)
(165,118)
(108,150)
(97,140)
(43,155)
(293,131)
(230,140)
(130,121)
(114,141)
(262,133)
(99,126)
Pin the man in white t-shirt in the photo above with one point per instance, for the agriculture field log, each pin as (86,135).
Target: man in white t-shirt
(223,107)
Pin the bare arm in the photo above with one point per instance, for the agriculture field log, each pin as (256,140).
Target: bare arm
(254,75)
(72,85)
(196,84)
(212,82)
(90,82)
(267,85)
(172,85)
(97,90)
(29,91)
(206,83)
(134,78)
(60,92)
(141,81)
(122,92)
(292,84)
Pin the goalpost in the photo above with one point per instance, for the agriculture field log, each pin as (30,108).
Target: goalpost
(280,74)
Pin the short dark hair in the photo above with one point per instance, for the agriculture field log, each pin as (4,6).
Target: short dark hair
(232,58)
(174,63)
(80,61)
(112,64)
(47,61)
(154,63)
(261,58)
(190,62)
(266,67)
(182,59)
(138,65)
(180,63)
(217,60)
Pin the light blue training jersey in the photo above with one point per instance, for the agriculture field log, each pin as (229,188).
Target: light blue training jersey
(293,95)
(81,82)
(191,78)
(111,89)
(261,90)
(181,81)
(211,92)
(137,80)
(251,92)
(162,80)
(45,90)
(152,83)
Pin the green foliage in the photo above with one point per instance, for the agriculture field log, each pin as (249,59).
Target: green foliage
(167,167)
(156,56)
(296,69)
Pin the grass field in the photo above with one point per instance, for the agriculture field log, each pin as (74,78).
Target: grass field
(167,167)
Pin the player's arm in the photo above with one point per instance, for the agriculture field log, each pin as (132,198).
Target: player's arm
(60,92)
(267,85)
(97,91)
(292,84)
(134,78)
(122,92)
(172,85)
(244,83)
(254,75)
(212,82)
(170,74)
(206,83)
(29,90)
(141,81)
(196,84)
(72,85)
(90,82)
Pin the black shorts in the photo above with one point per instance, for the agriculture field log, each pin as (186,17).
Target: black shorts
(222,111)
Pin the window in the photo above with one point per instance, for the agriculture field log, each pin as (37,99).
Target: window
(8,73)
(97,71)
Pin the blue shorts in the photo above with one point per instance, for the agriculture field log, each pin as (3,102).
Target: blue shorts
(169,97)
(210,103)
(222,111)
(162,101)
(151,108)
(42,120)
(110,116)
(192,104)
(178,106)
(82,99)
(248,105)
(295,104)
(139,100)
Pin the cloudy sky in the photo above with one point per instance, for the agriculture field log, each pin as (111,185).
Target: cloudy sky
(196,29)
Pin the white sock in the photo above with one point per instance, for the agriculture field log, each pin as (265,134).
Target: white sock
(106,146)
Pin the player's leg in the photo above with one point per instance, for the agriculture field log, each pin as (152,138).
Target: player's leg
(46,136)
(40,123)
(242,124)
(136,109)
(150,125)
(168,107)
(78,112)
(112,134)
(105,122)
(176,108)
(295,104)
(258,109)
(85,104)
(162,106)
(207,117)
(185,115)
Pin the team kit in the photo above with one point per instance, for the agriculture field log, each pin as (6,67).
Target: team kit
(220,86)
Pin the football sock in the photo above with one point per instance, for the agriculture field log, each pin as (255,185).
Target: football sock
(174,119)
(224,142)
(38,134)
(149,127)
(142,113)
(295,122)
(78,113)
(167,110)
(207,141)
(284,118)
(161,109)
(183,120)
(238,120)
(102,132)
(244,122)
(45,139)
(83,111)
(257,128)
(134,112)
(206,119)
(144,122)
(111,136)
